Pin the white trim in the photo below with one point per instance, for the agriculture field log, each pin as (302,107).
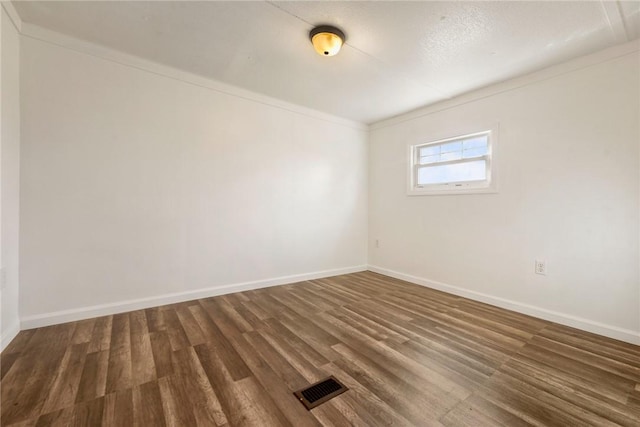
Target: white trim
(14,17)
(615,20)
(81,313)
(489,186)
(610,54)
(108,54)
(9,335)
(610,331)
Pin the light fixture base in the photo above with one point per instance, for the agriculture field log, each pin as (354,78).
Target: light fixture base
(327,40)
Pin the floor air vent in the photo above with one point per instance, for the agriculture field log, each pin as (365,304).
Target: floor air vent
(318,393)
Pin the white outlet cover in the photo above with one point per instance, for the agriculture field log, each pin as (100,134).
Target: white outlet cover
(541,267)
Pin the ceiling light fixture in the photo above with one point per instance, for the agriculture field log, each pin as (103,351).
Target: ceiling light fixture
(326,40)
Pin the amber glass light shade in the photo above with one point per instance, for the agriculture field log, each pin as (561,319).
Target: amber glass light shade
(326,40)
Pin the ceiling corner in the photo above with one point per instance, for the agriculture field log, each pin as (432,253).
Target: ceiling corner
(615,20)
(13,14)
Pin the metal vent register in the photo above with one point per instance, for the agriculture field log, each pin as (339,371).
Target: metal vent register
(318,393)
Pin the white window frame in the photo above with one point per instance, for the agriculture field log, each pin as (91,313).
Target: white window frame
(487,186)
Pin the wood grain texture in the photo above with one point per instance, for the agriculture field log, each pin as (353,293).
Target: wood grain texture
(410,356)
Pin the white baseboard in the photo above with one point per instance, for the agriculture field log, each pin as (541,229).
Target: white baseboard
(614,332)
(9,334)
(81,313)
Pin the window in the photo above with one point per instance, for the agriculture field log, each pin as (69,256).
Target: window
(462,164)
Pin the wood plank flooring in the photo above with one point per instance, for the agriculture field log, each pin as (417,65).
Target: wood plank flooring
(410,356)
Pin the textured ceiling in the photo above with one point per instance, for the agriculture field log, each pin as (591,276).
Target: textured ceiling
(399,55)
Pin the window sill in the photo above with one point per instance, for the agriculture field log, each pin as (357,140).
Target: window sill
(450,192)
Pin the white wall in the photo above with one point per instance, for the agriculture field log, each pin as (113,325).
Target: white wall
(10,165)
(135,185)
(568,193)
(145,188)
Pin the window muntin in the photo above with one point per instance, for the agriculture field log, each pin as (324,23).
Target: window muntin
(453,164)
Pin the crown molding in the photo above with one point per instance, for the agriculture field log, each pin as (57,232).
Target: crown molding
(13,15)
(576,64)
(105,53)
(615,20)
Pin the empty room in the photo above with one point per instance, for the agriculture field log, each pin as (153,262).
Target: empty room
(320,213)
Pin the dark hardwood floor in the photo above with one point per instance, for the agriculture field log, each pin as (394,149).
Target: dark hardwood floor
(409,355)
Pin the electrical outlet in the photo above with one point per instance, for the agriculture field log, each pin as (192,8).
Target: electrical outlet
(541,267)
(377,243)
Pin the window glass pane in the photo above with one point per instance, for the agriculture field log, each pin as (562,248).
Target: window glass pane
(459,172)
(430,150)
(476,142)
(429,159)
(474,152)
(454,155)
(451,146)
